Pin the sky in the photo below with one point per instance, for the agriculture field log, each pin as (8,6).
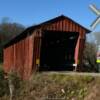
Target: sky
(30,12)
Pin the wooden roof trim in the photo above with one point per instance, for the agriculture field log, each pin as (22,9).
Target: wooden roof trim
(32,28)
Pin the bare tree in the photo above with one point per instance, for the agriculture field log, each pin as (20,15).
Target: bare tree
(89,57)
(11,29)
(97,37)
(8,30)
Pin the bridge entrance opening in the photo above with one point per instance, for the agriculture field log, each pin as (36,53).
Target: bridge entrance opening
(57,50)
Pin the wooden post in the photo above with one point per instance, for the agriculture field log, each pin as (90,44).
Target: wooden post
(11,88)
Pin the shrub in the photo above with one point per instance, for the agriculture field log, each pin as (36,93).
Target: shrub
(4,89)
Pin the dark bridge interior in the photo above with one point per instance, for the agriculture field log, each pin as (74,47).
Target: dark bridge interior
(57,50)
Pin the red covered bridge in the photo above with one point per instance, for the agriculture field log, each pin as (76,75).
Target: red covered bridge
(54,45)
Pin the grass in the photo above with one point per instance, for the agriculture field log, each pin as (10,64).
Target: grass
(59,86)
(56,86)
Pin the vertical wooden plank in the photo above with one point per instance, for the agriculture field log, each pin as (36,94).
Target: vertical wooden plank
(64,25)
(36,49)
(26,57)
(34,53)
(68,26)
(30,54)
(77,48)
(80,49)
(73,27)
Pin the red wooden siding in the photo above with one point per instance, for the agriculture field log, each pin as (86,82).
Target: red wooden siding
(62,25)
(19,56)
(23,54)
(36,48)
(69,26)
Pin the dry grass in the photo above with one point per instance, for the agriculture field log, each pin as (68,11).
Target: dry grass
(57,86)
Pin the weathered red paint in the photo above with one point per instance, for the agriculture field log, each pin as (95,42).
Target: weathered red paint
(21,55)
